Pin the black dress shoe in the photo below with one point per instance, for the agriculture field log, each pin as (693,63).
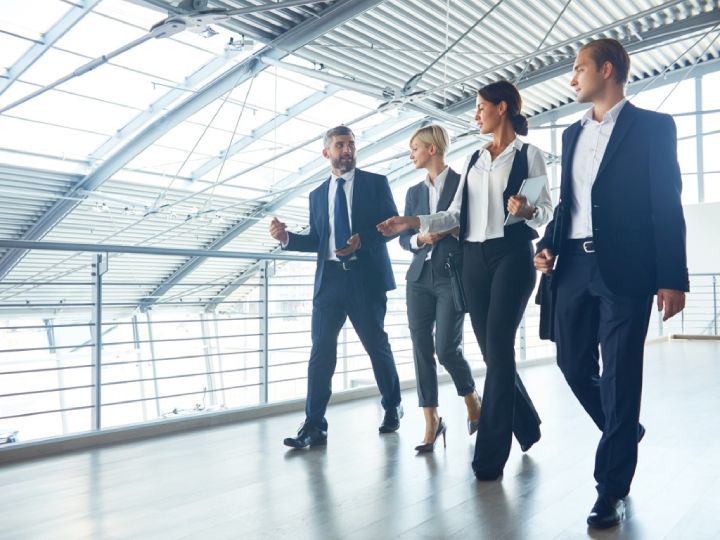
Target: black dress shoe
(607,512)
(391,422)
(430,446)
(487,476)
(307,436)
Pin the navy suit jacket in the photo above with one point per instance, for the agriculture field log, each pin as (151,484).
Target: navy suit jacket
(372,203)
(417,203)
(637,215)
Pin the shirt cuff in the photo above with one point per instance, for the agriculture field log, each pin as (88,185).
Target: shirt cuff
(413,242)
(540,218)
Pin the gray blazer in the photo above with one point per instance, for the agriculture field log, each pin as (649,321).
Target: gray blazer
(417,203)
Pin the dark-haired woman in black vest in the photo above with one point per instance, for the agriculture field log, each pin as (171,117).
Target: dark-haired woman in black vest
(498,272)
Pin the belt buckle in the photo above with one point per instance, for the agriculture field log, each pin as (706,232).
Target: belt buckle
(591,248)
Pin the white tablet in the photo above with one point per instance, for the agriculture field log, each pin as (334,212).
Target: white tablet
(530,188)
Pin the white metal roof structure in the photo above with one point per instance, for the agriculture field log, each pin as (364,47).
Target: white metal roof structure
(188,124)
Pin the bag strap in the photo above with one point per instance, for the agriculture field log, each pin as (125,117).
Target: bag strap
(518,173)
(464,206)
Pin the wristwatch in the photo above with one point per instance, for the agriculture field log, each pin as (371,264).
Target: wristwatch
(535,212)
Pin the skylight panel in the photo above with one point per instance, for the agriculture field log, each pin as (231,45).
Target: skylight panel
(11,49)
(25,135)
(35,22)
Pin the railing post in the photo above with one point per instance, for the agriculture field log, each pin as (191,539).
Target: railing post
(264,329)
(346,375)
(220,363)
(50,329)
(682,321)
(699,130)
(151,342)
(715,307)
(209,364)
(140,364)
(99,267)
(136,333)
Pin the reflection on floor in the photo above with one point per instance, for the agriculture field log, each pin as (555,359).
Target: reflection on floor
(240,482)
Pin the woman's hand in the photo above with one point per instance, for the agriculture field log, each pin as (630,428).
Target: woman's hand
(397,224)
(431,238)
(518,206)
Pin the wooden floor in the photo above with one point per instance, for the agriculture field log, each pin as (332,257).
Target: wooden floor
(241,482)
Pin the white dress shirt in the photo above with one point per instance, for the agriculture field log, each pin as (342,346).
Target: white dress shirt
(589,151)
(348,188)
(486,184)
(434,191)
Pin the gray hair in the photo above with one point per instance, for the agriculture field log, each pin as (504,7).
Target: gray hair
(334,132)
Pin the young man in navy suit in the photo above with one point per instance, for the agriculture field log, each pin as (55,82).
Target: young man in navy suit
(616,240)
(352,278)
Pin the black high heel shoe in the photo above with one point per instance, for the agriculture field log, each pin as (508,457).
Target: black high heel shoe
(430,446)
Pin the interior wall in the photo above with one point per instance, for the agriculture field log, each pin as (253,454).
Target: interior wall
(703,237)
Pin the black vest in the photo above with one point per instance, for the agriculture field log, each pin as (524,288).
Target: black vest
(518,173)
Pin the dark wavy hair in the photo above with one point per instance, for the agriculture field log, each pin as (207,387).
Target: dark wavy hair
(507,92)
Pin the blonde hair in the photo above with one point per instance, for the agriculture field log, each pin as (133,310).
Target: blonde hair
(433,134)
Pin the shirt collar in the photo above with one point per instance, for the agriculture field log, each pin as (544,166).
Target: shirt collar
(439,180)
(516,144)
(610,117)
(348,176)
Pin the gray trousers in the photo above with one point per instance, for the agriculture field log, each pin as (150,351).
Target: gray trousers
(430,304)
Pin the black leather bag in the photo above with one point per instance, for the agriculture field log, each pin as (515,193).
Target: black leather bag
(544,298)
(453,264)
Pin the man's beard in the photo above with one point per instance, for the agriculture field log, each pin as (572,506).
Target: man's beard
(343,164)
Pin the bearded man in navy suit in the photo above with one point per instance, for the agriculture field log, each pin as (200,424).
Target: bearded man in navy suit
(352,278)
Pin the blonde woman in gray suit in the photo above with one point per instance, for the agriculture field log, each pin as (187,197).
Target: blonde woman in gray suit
(430,303)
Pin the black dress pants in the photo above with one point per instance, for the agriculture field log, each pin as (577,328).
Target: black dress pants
(346,293)
(498,277)
(590,319)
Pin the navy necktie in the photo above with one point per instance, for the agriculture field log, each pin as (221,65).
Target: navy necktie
(342,220)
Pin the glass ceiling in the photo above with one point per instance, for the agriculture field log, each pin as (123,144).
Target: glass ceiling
(78,119)
(257,143)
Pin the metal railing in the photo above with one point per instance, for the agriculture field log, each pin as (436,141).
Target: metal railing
(700,316)
(78,354)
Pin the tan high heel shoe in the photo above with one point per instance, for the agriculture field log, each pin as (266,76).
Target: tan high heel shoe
(472,425)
